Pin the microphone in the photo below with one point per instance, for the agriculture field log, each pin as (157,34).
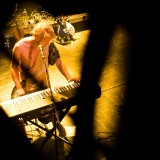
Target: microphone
(41,49)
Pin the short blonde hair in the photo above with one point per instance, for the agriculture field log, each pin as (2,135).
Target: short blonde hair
(43,29)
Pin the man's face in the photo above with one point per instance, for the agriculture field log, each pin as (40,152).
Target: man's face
(39,35)
(45,41)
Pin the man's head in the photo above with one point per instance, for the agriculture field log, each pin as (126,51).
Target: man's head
(43,32)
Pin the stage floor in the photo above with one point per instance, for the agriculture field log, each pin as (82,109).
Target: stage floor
(113,88)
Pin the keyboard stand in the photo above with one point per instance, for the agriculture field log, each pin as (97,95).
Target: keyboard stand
(51,132)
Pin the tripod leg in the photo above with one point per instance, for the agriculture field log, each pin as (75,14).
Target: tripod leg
(38,129)
(48,136)
(54,122)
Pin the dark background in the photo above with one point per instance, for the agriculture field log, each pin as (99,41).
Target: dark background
(141,21)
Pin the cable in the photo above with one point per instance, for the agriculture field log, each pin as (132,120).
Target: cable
(106,136)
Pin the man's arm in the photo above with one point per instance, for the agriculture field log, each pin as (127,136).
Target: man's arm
(15,70)
(63,69)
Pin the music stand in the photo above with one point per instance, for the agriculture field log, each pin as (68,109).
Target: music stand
(54,115)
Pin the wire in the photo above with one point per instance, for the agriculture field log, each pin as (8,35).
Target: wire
(106,136)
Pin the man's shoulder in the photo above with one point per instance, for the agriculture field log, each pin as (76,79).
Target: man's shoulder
(26,41)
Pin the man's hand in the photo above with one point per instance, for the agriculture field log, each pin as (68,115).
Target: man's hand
(20,92)
(76,80)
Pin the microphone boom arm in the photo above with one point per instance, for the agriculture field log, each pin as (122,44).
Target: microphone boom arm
(47,73)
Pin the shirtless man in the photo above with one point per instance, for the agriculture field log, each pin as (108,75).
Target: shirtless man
(28,69)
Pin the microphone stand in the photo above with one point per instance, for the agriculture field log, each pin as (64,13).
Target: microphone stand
(55,116)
